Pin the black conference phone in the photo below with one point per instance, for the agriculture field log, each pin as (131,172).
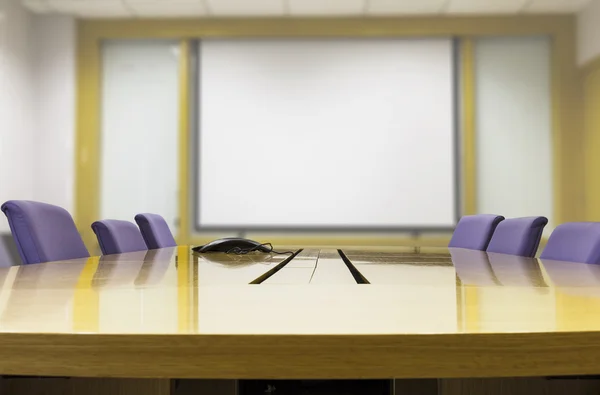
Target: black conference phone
(235,245)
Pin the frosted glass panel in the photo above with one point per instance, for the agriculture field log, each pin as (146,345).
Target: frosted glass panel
(326,133)
(139,129)
(514,152)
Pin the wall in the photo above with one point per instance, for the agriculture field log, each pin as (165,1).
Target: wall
(17,160)
(37,108)
(588,32)
(54,44)
(31,46)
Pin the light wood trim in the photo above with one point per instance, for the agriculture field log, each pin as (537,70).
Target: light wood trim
(87,137)
(469,146)
(331,27)
(567,129)
(184,141)
(301,356)
(591,105)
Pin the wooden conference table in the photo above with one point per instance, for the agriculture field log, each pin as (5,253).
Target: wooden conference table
(406,313)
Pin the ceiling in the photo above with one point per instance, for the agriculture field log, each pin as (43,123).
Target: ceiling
(283,8)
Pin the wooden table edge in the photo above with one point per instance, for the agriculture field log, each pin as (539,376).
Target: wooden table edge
(300,356)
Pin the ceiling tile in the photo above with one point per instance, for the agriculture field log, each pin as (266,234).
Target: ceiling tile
(91,8)
(170,9)
(558,6)
(246,7)
(486,6)
(402,7)
(326,7)
(163,2)
(38,6)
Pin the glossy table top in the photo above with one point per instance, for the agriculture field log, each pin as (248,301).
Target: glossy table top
(434,293)
(175,291)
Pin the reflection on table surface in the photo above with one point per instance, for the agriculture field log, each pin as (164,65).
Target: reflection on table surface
(420,291)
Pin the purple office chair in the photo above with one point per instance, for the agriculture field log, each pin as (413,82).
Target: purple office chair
(474,231)
(155,231)
(118,237)
(43,232)
(518,236)
(574,242)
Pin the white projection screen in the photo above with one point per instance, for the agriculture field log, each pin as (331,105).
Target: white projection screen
(318,134)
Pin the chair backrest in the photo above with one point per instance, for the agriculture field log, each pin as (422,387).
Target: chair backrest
(518,236)
(574,242)
(155,231)
(43,232)
(118,237)
(475,231)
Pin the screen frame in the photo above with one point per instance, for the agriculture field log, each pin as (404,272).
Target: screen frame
(196,138)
